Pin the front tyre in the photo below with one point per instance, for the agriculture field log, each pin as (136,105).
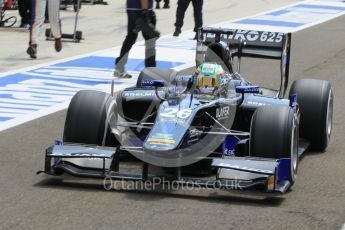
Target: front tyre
(274,134)
(315,100)
(86,120)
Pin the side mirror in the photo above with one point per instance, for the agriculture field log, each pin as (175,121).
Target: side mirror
(153,83)
(247,89)
(156,84)
(243,89)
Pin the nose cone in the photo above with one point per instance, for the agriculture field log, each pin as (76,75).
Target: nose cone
(165,136)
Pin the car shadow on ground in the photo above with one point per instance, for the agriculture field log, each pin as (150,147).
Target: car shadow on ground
(157,194)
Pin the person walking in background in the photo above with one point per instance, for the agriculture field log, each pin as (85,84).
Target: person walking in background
(5,5)
(182,6)
(165,6)
(140,17)
(24,9)
(2,7)
(46,16)
(38,11)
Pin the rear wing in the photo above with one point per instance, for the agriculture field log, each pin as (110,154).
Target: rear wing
(250,43)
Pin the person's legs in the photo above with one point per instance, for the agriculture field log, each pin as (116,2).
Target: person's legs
(197,6)
(23,12)
(166,4)
(46,15)
(150,45)
(54,17)
(55,23)
(37,11)
(28,4)
(182,6)
(158,4)
(127,43)
(126,47)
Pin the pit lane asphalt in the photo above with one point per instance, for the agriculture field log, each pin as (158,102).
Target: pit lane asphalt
(316,201)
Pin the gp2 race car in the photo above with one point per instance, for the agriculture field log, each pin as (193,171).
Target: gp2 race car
(211,126)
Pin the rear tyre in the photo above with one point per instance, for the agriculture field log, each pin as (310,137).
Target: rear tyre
(315,100)
(154,73)
(86,119)
(274,134)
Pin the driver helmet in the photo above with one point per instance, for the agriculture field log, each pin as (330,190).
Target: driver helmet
(209,78)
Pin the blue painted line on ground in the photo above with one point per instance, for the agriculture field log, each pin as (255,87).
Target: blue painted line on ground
(57,83)
(278,12)
(269,22)
(285,11)
(92,61)
(12,79)
(324,7)
(23,102)
(29,104)
(108,62)
(12,107)
(295,16)
(21,77)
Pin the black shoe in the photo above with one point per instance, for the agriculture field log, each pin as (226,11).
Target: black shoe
(32,51)
(166,6)
(58,44)
(158,6)
(121,74)
(23,25)
(177,32)
(196,36)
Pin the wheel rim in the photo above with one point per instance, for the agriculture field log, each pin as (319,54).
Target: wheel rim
(329,118)
(294,151)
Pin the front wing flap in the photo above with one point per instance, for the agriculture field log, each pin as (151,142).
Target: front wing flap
(273,174)
(233,173)
(77,151)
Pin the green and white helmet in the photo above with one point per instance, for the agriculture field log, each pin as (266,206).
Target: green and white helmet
(209,77)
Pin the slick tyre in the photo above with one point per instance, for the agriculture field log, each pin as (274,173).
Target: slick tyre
(154,73)
(86,120)
(274,134)
(315,101)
